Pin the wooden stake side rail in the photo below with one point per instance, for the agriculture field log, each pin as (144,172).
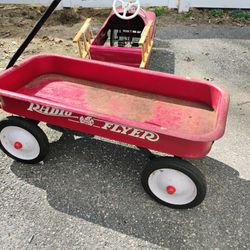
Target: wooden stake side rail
(84,38)
(146,43)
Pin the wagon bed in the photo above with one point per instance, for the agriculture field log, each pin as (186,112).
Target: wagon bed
(169,114)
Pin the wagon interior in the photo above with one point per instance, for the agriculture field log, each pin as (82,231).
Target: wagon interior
(121,33)
(161,105)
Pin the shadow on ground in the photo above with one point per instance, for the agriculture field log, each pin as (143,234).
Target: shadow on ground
(100,183)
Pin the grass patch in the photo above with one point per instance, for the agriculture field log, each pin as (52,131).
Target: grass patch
(187,14)
(216,13)
(159,11)
(240,14)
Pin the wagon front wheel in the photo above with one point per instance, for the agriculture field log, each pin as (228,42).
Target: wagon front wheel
(23,140)
(174,182)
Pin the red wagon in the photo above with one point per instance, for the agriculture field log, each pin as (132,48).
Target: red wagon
(151,110)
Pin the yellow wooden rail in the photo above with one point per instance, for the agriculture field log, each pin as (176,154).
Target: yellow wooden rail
(146,44)
(84,38)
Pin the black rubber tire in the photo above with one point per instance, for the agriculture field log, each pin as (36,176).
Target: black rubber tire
(31,127)
(182,166)
(32,121)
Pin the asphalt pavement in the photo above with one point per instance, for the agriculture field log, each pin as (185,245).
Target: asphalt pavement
(87,194)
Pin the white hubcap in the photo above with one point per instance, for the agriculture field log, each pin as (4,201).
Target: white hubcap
(20,143)
(172,186)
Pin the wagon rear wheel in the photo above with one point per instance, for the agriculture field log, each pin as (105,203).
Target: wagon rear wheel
(23,140)
(174,182)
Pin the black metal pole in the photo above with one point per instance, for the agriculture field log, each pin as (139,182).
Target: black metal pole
(33,33)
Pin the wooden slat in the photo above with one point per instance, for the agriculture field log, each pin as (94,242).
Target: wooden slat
(84,39)
(82,30)
(146,44)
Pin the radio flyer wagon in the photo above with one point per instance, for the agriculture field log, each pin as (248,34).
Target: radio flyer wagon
(151,110)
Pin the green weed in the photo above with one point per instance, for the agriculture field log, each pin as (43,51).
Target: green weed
(240,14)
(216,13)
(159,11)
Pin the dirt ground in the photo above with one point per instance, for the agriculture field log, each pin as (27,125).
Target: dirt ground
(57,34)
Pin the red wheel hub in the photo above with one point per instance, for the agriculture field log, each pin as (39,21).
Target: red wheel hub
(170,189)
(18,145)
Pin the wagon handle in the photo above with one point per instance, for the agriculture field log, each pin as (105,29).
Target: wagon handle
(33,33)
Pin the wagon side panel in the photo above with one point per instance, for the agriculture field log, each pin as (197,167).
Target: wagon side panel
(88,124)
